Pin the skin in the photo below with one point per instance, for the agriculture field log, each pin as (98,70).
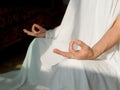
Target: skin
(36,31)
(109,39)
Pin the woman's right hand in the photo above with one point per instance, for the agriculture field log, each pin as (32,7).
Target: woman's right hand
(37,31)
(84,53)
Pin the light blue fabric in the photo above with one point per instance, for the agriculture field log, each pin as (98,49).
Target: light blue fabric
(42,69)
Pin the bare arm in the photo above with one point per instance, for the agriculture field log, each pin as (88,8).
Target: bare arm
(110,38)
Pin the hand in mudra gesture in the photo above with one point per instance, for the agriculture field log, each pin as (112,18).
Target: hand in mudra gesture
(85,52)
(37,31)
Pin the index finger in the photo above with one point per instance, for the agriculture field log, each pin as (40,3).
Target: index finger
(71,48)
(36,28)
(80,43)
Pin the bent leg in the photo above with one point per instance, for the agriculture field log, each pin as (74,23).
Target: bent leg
(85,75)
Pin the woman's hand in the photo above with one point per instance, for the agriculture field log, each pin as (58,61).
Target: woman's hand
(37,31)
(85,52)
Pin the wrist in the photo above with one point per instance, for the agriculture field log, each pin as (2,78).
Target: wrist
(92,55)
(96,52)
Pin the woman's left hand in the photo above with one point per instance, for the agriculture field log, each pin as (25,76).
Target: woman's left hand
(85,52)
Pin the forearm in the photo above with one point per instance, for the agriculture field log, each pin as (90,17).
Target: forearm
(110,38)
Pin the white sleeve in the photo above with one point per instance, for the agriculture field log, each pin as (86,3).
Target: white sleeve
(52,33)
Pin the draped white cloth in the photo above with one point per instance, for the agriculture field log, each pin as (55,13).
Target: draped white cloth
(86,20)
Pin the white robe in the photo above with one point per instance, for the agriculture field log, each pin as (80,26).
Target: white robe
(86,20)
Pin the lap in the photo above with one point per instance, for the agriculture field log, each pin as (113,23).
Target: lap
(96,74)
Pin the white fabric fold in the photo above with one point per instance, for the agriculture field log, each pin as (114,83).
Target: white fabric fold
(86,20)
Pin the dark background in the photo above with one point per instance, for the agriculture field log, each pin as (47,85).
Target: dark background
(15,15)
